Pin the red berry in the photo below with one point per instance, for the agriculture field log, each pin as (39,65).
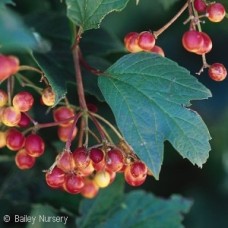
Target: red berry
(65,161)
(63,113)
(34,145)
(24,121)
(23,101)
(23,160)
(138,169)
(73,184)
(85,171)
(216,12)
(81,157)
(48,96)
(55,178)
(132,42)
(217,72)
(96,155)
(3,98)
(64,133)
(15,140)
(90,189)
(206,46)
(10,116)
(114,160)
(192,41)
(158,50)
(92,107)
(146,40)
(200,6)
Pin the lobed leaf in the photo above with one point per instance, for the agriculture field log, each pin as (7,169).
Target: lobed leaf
(148,95)
(88,14)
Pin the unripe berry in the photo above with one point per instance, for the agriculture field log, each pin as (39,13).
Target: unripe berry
(90,189)
(65,161)
(217,72)
(63,113)
(23,160)
(102,178)
(146,40)
(216,12)
(192,41)
(10,116)
(64,133)
(131,42)
(158,50)
(3,98)
(15,140)
(23,101)
(200,6)
(55,178)
(34,145)
(2,139)
(48,96)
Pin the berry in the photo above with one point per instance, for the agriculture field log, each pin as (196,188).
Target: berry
(24,121)
(81,157)
(64,133)
(3,98)
(73,184)
(138,169)
(158,50)
(65,161)
(15,140)
(146,40)
(55,178)
(131,42)
(2,139)
(11,116)
(217,72)
(206,46)
(90,189)
(86,171)
(23,160)
(192,41)
(63,113)
(96,155)
(216,12)
(114,160)
(34,145)
(200,6)
(48,96)
(23,101)
(92,107)
(102,178)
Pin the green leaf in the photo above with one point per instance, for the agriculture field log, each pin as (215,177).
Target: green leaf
(148,95)
(113,208)
(141,209)
(96,211)
(3,2)
(88,14)
(14,34)
(46,217)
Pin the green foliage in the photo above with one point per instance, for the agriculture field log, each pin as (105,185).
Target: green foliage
(88,14)
(148,95)
(113,208)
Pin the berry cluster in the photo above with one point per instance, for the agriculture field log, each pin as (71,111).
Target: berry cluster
(199,42)
(84,170)
(144,41)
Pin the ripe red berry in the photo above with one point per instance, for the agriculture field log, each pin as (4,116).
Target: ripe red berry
(158,50)
(138,169)
(15,140)
(81,157)
(23,160)
(64,133)
(55,178)
(131,42)
(63,113)
(10,116)
(206,46)
(65,162)
(24,121)
(90,189)
(23,101)
(73,184)
(200,6)
(192,41)
(3,98)
(146,40)
(114,160)
(216,12)
(217,72)
(48,96)
(34,145)
(96,155)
